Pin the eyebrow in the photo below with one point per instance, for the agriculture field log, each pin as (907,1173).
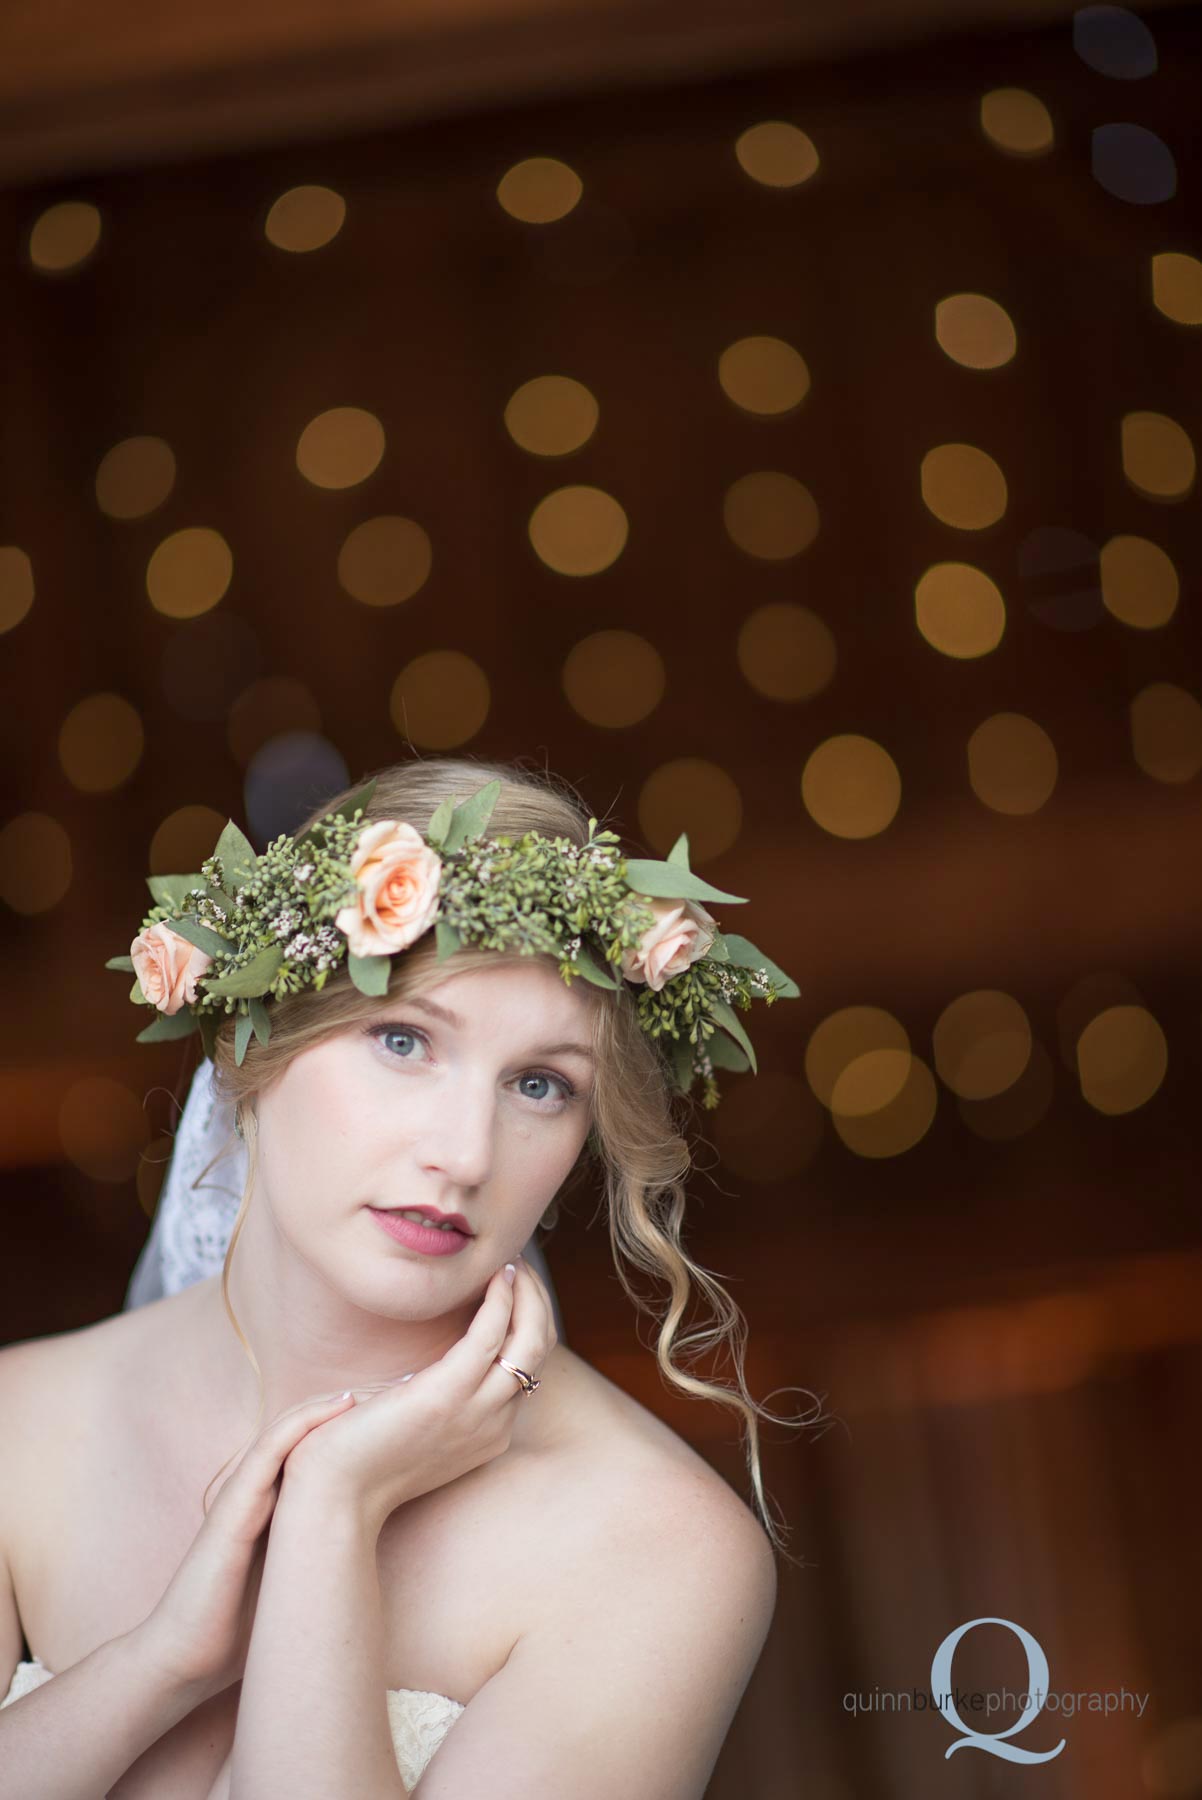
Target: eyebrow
(456,1023)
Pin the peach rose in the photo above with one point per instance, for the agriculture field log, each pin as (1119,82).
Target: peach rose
(397,873)
(682,933)
(167,967)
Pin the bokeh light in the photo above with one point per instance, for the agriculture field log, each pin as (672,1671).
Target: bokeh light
(135,477)
(786,652)
(770,514)
(35,862)
(539,190)
(16,586)
(440,699)
(64,236)
(189,572)
(184,839)
(1122,1057)
(1166,732)
(305,218)
(851,786)
(692,795)
(578,530)
(777,154)
(1017,122)
(340,447)
(764,376)
(551,415)
(1012,764)
(100,743)
(959,610)
(963,486)
(613,678)
(385,560)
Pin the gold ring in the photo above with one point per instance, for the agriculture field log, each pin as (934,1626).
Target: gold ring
(529,1382)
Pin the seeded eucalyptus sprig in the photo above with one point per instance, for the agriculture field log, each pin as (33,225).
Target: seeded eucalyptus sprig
(267,925)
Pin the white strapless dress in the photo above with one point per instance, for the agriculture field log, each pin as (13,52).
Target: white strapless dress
(419,1720)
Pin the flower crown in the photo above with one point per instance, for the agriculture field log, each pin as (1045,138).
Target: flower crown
(249,929)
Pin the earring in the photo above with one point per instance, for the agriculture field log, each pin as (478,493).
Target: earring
(550,1218)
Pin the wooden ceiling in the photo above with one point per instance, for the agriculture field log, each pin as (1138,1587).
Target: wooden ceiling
(85,87)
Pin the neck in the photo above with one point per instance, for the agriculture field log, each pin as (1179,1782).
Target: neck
(309,1338)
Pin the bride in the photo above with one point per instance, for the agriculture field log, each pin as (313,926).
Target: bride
(444,1555)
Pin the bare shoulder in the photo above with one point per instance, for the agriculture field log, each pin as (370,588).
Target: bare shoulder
(39,1376)
(657,1511)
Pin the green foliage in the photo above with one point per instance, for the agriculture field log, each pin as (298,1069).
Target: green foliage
(268,922)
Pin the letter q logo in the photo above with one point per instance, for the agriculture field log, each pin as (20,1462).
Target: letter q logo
(1037,1680)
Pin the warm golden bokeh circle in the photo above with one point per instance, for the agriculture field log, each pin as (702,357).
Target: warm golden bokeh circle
(64,236)
(770,514)
(613,678)
(982,1044)
(305,218)
(786,652)
(551,415)
(189,572)
(844,1038)
(135,477)
(440,699)
(385,560)
(963,486)
(776,154)
(16,586)
(975,331)
(1012,764)
(902,1121)
(1166,732)
(851,786)
(1122,1058)
(1017,122)
(1158,456)
(1140,584)
(692,795)
(340,447)
(35,862)
(764,376)
(959,610)
(539,190)
(578,530)
(100,743)
(1177,293)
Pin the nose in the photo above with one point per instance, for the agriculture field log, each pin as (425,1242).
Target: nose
(456,1138)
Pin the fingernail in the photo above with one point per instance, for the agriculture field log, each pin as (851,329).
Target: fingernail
(510,1272)
(345,1394)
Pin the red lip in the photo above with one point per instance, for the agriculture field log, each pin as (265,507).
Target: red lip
(432,1212)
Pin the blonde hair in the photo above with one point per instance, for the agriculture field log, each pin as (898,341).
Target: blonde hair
(634,1137)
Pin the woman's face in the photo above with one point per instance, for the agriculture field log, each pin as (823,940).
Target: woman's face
(474,1099)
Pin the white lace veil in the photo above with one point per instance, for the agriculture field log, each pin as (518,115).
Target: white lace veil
(198,1204)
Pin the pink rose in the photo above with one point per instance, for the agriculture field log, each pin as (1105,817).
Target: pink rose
(397,873)
(681,934)
(167,966)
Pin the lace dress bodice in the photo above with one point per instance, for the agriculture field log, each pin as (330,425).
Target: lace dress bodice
(419,1720)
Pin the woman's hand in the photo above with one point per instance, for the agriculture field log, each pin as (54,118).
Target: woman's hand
(201,1627)
(415,1435)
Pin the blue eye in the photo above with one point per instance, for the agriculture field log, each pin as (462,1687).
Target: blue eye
(547,1101)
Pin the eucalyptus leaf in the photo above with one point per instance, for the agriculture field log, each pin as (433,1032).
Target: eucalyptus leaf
(469,820)
(592,970)
(670,881)
(440,821)
(124,963)
(255,978)
(447,939)
(202,936)
(744,955)
(237,855)
(169,1025)
(680,1055)
(169,890)
(136,994)
(370,973)
(726,1016)
(724,1054)
(242,1035)
(678,855)
(260,1018)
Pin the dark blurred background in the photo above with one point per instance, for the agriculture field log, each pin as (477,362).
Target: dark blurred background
(783,427)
